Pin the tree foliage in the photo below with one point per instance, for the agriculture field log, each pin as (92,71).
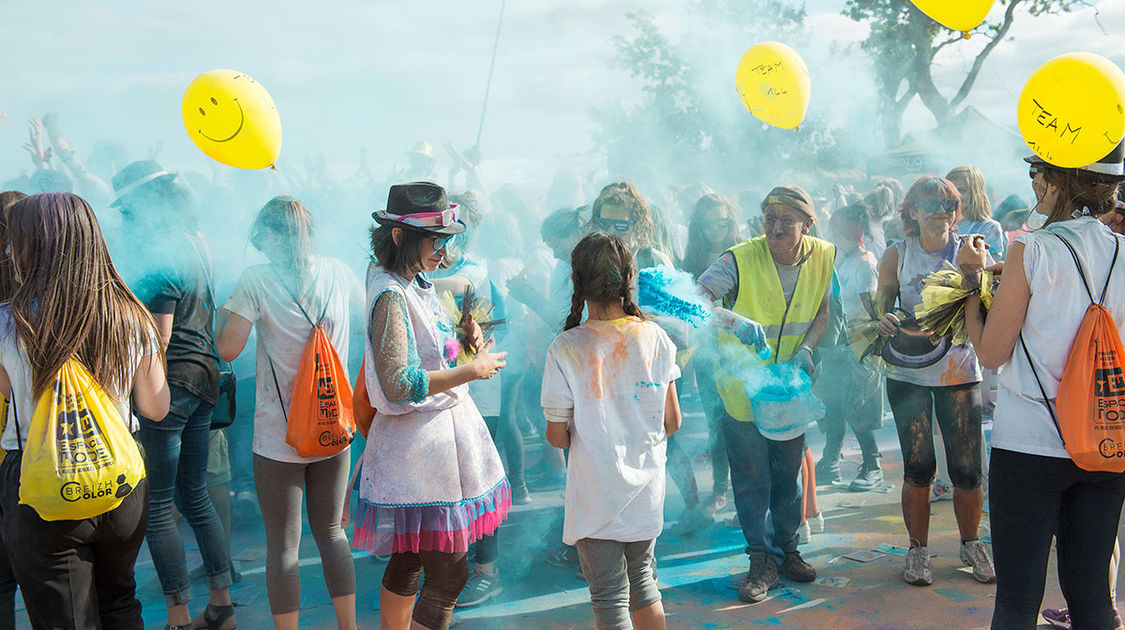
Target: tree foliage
(682,131)
(903,43)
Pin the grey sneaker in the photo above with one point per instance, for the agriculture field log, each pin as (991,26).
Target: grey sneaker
(480,588)
(761,578)
(870,477)
(919,569)
(828,471)
(975,554)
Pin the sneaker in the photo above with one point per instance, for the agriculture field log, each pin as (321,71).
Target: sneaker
(1117,623)
(919,569)
(940,491)
(691,521)
(480,588)
(795,569)
(828,472)
(1057,617)
(870,477)
(244,508)
(760,579)
(816,524)
(975,554)
(564,556)
(804,533)
(521,495)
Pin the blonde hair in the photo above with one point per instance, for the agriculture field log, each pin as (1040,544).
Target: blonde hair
(627,196)
(979,207)
(292,222)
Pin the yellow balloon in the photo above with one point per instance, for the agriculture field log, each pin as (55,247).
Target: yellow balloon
(773,82)
(232,119)
(1071,111)
(958,15)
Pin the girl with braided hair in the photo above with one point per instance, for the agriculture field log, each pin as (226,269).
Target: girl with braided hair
(609,396)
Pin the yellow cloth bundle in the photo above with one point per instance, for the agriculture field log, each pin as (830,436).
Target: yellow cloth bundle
(942,310)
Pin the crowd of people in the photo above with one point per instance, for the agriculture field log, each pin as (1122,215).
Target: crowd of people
(480,319)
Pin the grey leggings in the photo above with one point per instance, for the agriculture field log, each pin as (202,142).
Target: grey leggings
(280,486)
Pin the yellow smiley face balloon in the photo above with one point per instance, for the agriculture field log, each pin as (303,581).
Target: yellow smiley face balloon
(232,119)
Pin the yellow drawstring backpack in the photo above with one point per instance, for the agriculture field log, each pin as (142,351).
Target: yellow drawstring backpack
(79,459)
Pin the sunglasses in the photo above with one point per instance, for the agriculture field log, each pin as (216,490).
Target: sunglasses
(933,206)
(613,225)
(445,242)
(1035,170)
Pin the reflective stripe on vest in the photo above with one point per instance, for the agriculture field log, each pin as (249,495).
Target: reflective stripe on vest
(760,298)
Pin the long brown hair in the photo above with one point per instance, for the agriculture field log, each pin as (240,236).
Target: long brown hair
(292,222)
(71,302)
(603,271)
(7,277)
(626,195)
(1077,192)
(696,254)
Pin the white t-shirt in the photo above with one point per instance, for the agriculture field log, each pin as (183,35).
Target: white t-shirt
(1055,312)
(614,375)
(14,359)
(262,299)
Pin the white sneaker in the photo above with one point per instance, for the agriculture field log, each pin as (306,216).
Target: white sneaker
(816,524)
(919,569)
(804,533)
(975,554)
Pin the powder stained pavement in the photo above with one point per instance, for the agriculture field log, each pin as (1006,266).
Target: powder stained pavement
(698,574)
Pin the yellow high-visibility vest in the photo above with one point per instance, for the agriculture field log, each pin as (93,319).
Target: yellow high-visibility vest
(760,298)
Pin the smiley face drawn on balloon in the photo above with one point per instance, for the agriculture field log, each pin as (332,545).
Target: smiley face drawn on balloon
(238,129)
(232,119)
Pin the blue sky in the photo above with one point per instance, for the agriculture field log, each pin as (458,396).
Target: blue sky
(380,75)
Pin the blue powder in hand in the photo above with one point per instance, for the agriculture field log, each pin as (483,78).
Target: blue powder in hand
(673,293)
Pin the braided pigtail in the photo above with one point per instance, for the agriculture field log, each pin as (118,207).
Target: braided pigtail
(577,303)
(628,273)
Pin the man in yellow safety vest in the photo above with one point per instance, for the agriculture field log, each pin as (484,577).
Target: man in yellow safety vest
(775,292)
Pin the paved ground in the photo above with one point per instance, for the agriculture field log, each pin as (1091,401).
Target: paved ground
(698,574)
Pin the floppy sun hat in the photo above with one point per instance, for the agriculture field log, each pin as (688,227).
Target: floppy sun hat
(420,206)
(137,174)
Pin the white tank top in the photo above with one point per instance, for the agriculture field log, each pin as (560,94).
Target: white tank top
(1055,312)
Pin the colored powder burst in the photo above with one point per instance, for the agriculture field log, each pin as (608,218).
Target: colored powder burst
(673,293)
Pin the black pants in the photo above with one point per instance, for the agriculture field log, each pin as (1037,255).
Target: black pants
(957,409)
(74,574)
(1032,498)
(7,589)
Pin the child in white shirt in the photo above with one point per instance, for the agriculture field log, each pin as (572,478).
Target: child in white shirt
(609,396)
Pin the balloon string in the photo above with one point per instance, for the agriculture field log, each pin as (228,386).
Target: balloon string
(309,201)
(1097,16)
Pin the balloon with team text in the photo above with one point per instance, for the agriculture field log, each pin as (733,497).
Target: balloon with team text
(1071,111)
(957,15)
(774,84)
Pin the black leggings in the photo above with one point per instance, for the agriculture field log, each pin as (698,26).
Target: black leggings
(958,410)
(446,575)
(1031,498)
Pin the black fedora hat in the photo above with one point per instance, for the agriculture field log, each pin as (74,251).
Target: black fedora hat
(420,206)
(135,175)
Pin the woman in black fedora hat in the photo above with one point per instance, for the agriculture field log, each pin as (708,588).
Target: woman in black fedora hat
(432,481)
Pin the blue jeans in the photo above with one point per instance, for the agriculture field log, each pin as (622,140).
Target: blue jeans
(763,475)
(176,456)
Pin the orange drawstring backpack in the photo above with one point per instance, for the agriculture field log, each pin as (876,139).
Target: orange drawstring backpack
(1089,412)
(319,419)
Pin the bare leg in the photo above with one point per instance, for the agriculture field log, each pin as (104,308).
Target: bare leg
(344,606)
(916,513)
(649,617)
(967,508)
(395,610)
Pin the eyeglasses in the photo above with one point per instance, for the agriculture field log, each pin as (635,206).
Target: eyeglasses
(786,223)
(445,242)
(933,206)
(1035,170)
(613,225)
